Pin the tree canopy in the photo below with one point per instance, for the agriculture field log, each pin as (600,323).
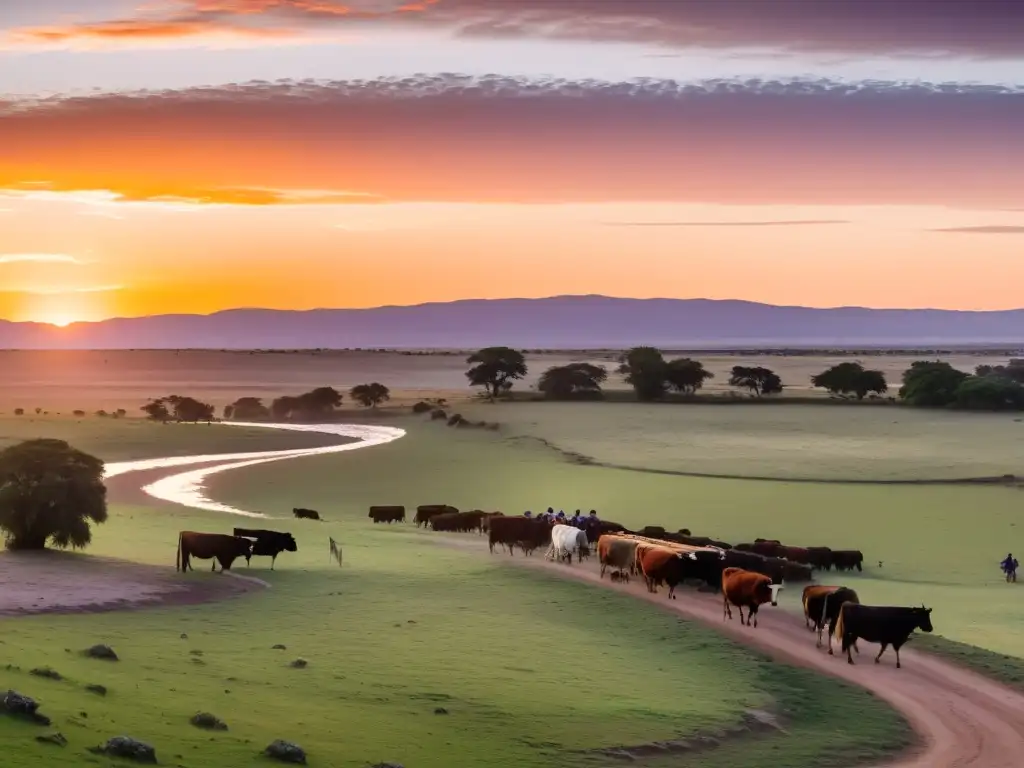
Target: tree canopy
(370,395)
(646,372)
(759,380)
(1014,371)
(686,376)
(573,381)
(50,491)
(315,404)
(851,379)
(247,409)
(931,383)
(178,408)
(990,393)
(495,369)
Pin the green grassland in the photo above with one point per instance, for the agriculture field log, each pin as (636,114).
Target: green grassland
(533,670)
(939,545)
(781,441)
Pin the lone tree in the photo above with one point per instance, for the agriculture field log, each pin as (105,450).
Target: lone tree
(495,369)
(370,395)
(247,409)
(646,371)
(573,381)
(990,393)
(50,491)
(686,376)
(760,381)
(931,383)
(851,378)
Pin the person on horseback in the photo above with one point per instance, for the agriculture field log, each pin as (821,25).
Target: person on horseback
(1009,566)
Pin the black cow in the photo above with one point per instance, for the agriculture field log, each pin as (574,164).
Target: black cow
(306,514)
(848,559)
(886,626)
(822,605)
(218,547)
(268,543)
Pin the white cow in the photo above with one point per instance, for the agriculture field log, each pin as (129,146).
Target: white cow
(566,541)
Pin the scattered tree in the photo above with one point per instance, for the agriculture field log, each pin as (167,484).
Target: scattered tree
(78,413)
(370,395)
(19,411)
(931,384)
(686,376)
(851,378)
(573,381)
(120,413)
(179,409)
(156,410)
(646,371)
(315,404)
(990,393)
(760,381)
(50,491)
(1014,371)
(247,409)
(495,369)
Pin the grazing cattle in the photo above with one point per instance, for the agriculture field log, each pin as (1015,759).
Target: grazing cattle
(385,514)
(886,626)
(425,512)
(268,543)
(796,572)
(672,567)
(652,532)
(566,541)
(768,548)
(460,522)
(751,561)
(848,559)
(821,608)
(746,589)
(219,547)
(797,554)
(615,552)
(820,558)
(306,514)
(485,521)
(524,532)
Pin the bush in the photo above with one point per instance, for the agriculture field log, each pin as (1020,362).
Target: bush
(102,414)
(422,407)
(19,411)
(78,414)
(49,490)
(456,420)
(438,415)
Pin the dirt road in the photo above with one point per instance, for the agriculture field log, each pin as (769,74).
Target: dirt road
(962,720)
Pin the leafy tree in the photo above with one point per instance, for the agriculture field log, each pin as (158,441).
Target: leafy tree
(990,393)
(284,407)
(189,409)
(320,401)
(931,383)
(686,375)
(19,411)
(370,395)
(156,410)
(646,371)
(495,369)
(760,381)
(1014,371)
(851,378)
(576,380)
(247,409)
(50,491)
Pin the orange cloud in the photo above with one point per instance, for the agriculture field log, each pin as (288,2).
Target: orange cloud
(172,195)
(143,30)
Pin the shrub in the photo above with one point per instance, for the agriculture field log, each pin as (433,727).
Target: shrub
(78,414)
(19,411)
(438,415)
(422,407)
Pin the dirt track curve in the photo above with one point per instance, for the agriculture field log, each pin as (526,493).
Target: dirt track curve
(961,719)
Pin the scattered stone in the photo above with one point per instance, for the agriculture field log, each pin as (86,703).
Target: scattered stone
(47,672)
(440,711)
(279,647)
(104,652)
(208,721)
(84,714)
(127,748)
(387,765)
(299,664)
(184,636)
(19,705)
(196,652)
(57,739)
(286,752)
(99,690)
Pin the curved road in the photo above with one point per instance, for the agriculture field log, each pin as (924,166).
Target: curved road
(962,720)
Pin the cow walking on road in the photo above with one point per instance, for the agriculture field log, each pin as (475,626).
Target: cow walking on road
(821,607)
(746,589)
(884,625)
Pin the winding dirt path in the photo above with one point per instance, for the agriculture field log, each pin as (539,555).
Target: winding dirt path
(962,720)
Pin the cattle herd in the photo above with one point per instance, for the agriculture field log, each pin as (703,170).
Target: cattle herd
(224,549)
(748,575)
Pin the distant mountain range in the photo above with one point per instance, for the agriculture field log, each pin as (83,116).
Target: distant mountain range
(566,322)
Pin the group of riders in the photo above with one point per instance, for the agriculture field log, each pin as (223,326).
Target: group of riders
(1009,566)
(578,519)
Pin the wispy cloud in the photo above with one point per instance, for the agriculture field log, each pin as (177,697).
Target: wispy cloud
(179,197)
(62,290)
(784,223)
(983,230)
(40,258)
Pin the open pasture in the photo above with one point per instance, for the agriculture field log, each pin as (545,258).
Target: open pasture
(939,545)
(89,380)
(531,670)
(779,441)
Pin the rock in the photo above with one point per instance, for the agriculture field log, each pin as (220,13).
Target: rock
(279,647)
(286,752)
(127,748)
(47,672)
(208,721)
(57,739)
(184,636)
(387,765)
(440,711)
(299,664)
(19,705)
(99,690)
(104,652)
(196,652)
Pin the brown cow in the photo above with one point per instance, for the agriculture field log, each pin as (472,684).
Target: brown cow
(387,514)
(615,552)
(219,547)
(426,511)
(524,532)
(747,589)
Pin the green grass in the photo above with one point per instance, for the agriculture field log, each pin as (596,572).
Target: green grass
(125,439)
(533,669)
(783,441)
(939,545)
(998,666)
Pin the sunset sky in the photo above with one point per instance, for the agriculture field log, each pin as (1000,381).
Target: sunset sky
(194,155)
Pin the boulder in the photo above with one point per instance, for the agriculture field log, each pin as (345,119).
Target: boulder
(299,664)
(47,672)
(99,690)
(208,721)
(286,752)
(56,739)
(19,705)
(104,652)
(127,748)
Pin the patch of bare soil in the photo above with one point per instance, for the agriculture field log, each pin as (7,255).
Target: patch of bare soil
(62,582)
